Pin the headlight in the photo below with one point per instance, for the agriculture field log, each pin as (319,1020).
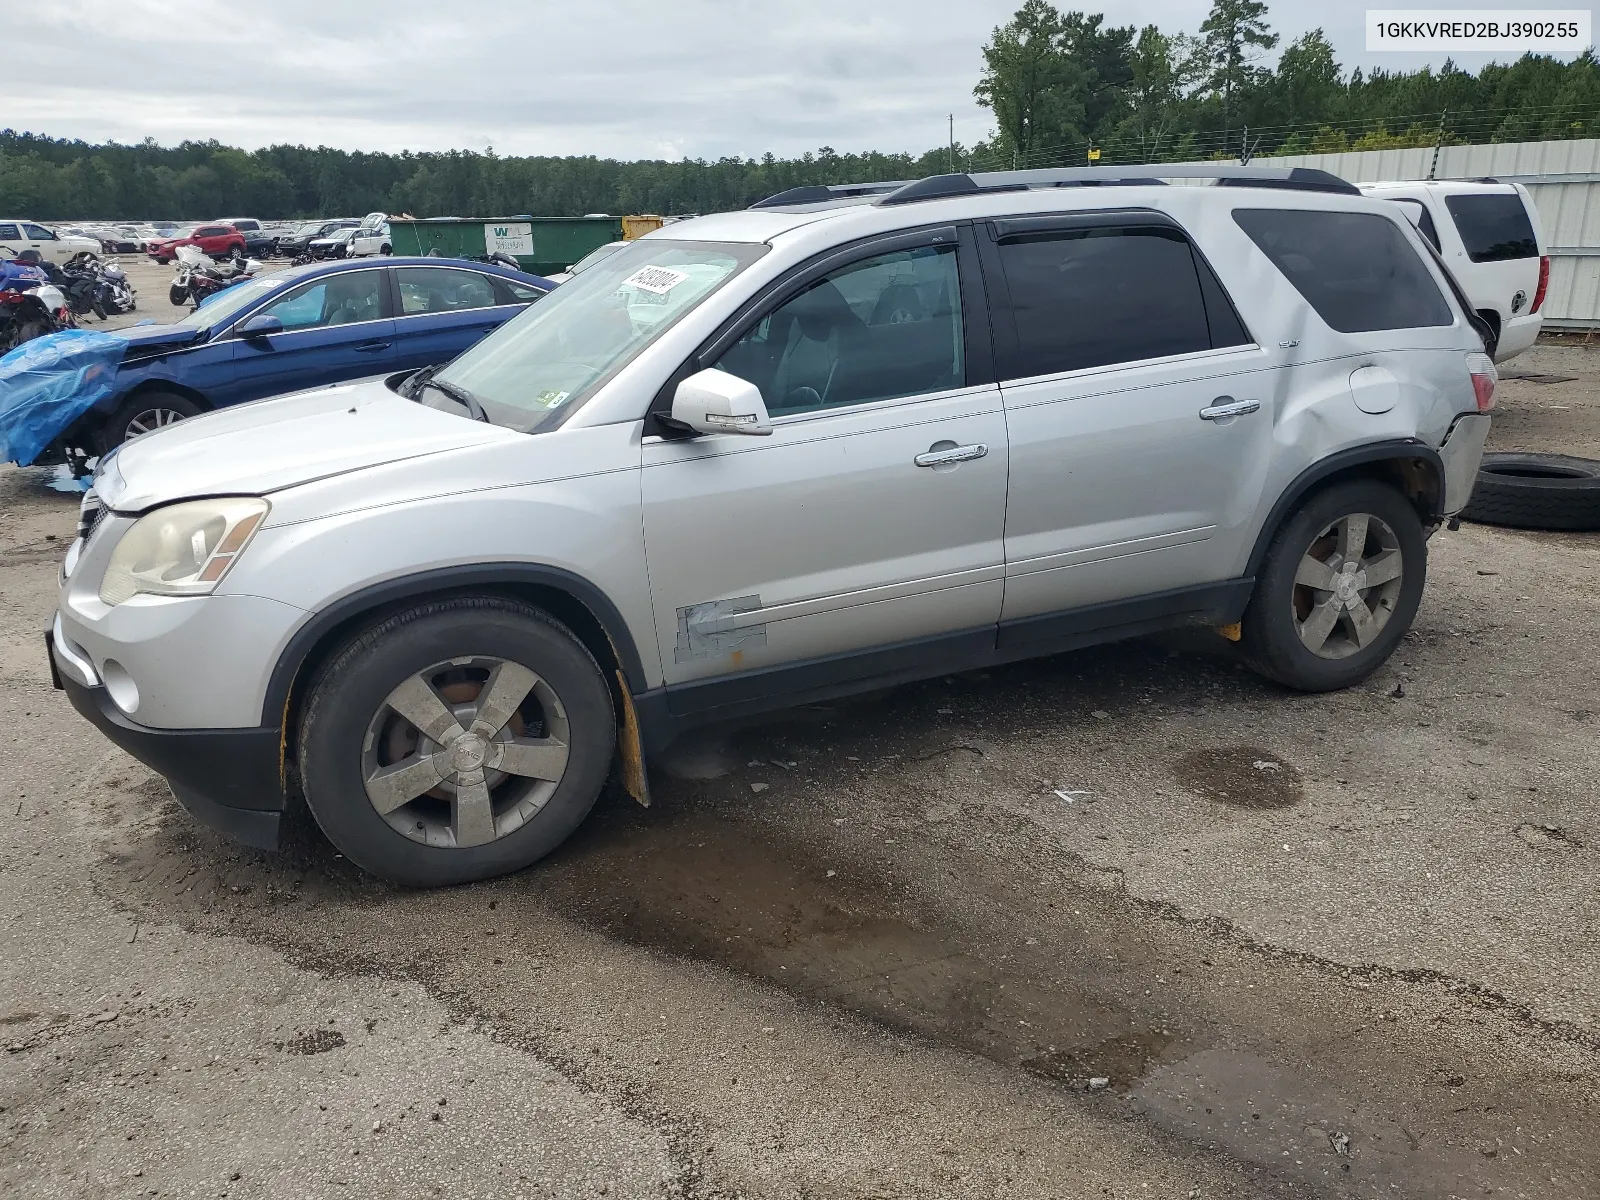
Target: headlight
(181,550)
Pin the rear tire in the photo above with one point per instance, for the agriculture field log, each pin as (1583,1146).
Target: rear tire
(1313,623)
(482,816)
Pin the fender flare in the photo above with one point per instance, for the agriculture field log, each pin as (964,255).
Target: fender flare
(424,584)
(1397,450)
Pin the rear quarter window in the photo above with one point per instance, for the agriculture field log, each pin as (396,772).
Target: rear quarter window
(1494,226)
(1358,271)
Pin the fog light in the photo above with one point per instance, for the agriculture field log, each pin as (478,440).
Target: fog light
(124,692)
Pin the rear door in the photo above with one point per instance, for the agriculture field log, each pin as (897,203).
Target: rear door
(335,327)
(1139,414)
(440,312)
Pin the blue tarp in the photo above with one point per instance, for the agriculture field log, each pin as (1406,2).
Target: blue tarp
(48,383)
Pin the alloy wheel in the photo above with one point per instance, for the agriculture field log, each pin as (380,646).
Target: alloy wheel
(150,420)
(1347,585)
(465,752)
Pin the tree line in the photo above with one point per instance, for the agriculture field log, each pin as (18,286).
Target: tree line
(1064,88)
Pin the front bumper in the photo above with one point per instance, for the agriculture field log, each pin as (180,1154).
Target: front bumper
(230,779)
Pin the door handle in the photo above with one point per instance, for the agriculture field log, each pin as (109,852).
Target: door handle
(1227,406)
(955,454)
(372,347)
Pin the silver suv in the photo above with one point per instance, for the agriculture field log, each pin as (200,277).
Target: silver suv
(849,437)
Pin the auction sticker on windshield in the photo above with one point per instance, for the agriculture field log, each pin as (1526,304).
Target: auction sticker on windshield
(656,280)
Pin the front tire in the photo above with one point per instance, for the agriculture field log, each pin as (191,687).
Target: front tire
(145,413)
(454,741)
(1341,585)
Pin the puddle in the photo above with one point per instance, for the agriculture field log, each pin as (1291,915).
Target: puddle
(60,480)
(1242,776)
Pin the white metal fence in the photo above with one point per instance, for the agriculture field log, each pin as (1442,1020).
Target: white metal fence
(1562,177)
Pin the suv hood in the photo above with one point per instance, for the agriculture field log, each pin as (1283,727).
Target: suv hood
(255,449)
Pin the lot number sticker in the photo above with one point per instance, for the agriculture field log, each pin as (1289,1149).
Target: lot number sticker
(658,281)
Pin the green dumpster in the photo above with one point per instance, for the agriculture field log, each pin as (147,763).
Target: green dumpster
(542,245)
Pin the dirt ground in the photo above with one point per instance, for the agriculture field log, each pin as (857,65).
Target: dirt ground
(1124,923)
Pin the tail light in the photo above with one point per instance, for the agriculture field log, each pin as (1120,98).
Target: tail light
(1484,378)
(1544,282)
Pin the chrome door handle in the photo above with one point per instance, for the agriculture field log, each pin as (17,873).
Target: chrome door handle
(955,454)
(1227,406)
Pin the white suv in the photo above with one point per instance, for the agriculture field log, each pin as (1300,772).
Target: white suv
(850,437)
(1490,235)
(18,236)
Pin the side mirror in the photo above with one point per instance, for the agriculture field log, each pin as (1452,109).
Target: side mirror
(714,401)
(260,325)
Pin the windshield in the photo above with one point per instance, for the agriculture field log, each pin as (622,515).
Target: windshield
(221,308)
(550,359)
(594,256)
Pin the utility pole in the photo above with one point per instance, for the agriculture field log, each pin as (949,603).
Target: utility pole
(1244,148)
(1438,141)
(952,143)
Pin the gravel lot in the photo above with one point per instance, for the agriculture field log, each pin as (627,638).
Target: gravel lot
(876,948)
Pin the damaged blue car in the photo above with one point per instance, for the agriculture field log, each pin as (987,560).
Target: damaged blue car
(299,328)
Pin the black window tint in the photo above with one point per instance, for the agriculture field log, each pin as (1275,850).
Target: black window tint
(1493,226)
(877,329)
(1222,318)
(1422,219)
(9,231)
(1090,297)
(1357,270)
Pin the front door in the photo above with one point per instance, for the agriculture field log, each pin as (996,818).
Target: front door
(335,327)
(1140,412)
(871,518)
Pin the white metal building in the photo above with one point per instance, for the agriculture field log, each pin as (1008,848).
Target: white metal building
(1562,177)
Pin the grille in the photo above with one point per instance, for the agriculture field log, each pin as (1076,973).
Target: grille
(90,511)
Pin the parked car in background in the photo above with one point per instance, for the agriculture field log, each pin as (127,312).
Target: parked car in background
(219,241)
(296,328)
(258,242)
(597,255)
(19,235)
(304,234)
(118,239)
(1490,236)
(941,425)
(333,245)
(366,242)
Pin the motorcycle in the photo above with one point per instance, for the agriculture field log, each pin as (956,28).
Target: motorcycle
(198,279)
(30,305)
(80,279)
(116,294)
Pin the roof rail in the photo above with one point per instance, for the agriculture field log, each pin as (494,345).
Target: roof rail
(1143,175)
(817,193)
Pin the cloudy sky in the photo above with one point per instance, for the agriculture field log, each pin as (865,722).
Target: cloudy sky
(613,78)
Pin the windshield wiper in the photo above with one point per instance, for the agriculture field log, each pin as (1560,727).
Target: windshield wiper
(424,379)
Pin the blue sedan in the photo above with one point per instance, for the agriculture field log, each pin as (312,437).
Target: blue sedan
(299,328)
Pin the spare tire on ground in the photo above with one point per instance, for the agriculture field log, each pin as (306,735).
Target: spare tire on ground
(1536,491)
